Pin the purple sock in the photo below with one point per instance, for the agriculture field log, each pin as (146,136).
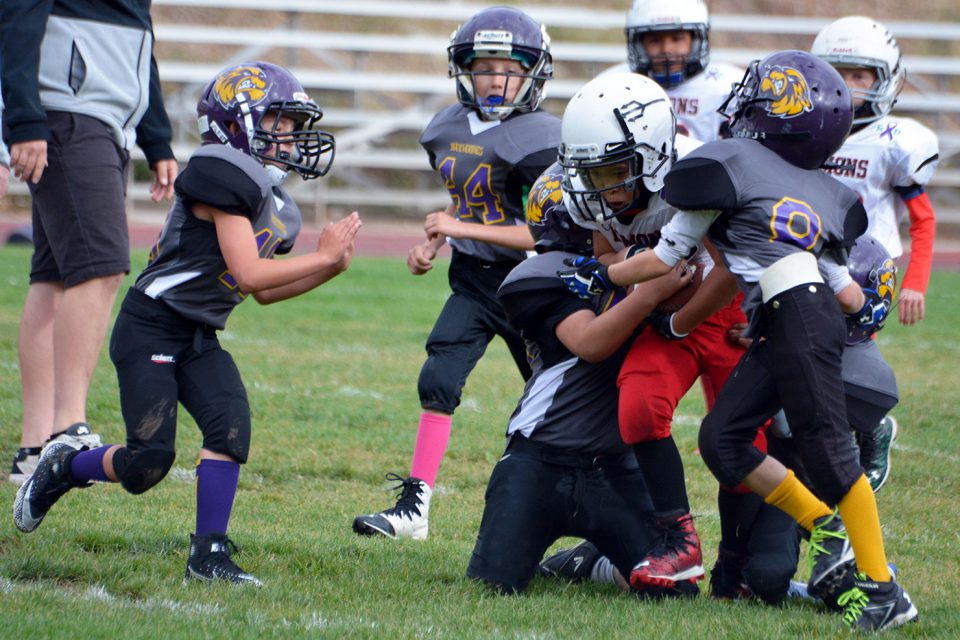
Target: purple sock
(88,465)
(216,488)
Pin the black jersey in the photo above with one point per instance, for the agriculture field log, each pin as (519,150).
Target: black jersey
(568,402)
(186,268)
(488,167)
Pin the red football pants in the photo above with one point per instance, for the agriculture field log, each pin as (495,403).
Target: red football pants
(657,372)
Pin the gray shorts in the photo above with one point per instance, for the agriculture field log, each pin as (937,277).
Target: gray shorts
(79,216)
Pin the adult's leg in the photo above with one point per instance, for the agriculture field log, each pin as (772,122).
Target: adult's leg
(79,328)
(35,347)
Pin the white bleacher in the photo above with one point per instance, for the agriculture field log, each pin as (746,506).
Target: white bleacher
(367,136)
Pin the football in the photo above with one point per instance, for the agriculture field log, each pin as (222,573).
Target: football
(683,295)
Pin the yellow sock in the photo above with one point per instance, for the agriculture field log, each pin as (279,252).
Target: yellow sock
(794,499)
(858,509)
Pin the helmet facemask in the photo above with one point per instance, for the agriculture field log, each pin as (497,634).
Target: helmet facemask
(507,34)
(661,68)
(313,149)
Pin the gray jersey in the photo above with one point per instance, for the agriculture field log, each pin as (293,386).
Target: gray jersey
(767,208)
(864,366)
(186,268)
(567,403)
(488,167)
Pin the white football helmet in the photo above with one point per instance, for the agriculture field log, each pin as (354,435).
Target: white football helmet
(646,16)
(857,41)
(617,135)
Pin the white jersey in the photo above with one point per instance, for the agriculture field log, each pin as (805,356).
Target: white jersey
(891,152)
(695,101)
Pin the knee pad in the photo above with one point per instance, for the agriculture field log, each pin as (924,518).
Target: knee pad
(229,434)
(768,576)
(438,389)
(643,418)
(709,449)
(141,470)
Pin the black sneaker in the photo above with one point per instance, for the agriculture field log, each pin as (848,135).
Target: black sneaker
(573,564)
(875,452)
(875,606)
(407,519)
(24,464)
(832,564)
(49,481)
(210,561)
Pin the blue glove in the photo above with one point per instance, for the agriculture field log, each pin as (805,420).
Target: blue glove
(874,311)
(588,277)
(662,323)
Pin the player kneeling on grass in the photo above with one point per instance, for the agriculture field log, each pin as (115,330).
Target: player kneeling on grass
(229,219)
(784,229)
(618,143)
(566,471)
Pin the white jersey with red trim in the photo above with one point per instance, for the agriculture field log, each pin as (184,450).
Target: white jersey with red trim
(891,152)
(695,101)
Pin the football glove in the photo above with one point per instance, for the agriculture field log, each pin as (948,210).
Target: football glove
(588,277)
(874,312)
(662,323)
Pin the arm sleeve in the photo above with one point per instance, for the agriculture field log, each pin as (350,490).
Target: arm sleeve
(153,131)
(923,227)
(680,237)
(23,24)
(219,184)
(836,275)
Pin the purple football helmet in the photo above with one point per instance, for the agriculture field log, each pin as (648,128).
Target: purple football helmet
(793,103)
(231,111)
(501,32)
(549,221)
(871,267)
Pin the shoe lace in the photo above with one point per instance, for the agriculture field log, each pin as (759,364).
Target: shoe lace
(820,536)
(409,497)
(853,602)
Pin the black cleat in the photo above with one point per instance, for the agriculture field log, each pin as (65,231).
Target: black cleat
(210,561)
(49,482)
(573,564)
(832,564)
(874,606)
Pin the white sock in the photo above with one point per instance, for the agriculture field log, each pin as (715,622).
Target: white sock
(602,571)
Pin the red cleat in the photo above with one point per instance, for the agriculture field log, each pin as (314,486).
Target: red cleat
(677,557)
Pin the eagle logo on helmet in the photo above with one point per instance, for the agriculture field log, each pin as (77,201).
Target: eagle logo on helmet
(247,80)
(887,279)
(545,195)
(786,91)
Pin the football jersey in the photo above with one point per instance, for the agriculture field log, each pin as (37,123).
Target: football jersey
(695,101)
(768,209)
(568,402)
(642,228)
(864,367)
(186,269)
(891,152)
(488,167)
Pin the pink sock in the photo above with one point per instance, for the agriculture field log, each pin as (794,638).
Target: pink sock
(432,437)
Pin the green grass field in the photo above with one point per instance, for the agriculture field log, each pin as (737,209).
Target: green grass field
(332,382)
